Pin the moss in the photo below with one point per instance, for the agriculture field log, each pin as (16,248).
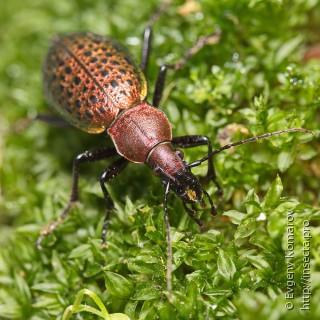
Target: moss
(253,81)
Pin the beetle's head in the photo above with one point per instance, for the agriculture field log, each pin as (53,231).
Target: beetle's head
(168,164)
(186,186)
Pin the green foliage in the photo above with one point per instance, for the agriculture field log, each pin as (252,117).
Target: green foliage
(103,313)
(253,81)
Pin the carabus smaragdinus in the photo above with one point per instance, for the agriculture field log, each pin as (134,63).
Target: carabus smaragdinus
(95,85)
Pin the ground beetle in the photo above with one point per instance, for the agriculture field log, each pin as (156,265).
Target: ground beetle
(94,83)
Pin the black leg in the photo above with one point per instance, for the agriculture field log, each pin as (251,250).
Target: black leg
(53,120)
(194,141)
(199,44)
(147,35)
(112,171)
(88,156)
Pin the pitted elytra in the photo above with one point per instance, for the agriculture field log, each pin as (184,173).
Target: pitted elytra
(89,79)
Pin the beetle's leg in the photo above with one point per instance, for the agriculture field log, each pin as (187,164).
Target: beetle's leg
(169,252)
(194,141)
(53,120)
(147,35)
(24,123)
(112,171)
(199,44)
(88,156)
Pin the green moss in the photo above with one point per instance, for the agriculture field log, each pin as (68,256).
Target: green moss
(254,79)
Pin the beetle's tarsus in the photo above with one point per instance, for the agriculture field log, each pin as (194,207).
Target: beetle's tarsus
(39,243)
(51,226)
(199,222)
(203,203)
(104,245)
(105,227)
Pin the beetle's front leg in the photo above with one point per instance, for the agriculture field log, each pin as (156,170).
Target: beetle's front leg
(112,171)
(88,156)
(194,141)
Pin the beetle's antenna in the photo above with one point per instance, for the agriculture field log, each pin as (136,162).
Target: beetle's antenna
(253,139)
(147,34)
(156,15)
(169,252)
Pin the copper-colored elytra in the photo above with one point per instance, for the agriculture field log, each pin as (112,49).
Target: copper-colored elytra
(89,78)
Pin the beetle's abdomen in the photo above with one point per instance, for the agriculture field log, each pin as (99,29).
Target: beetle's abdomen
(89,78)
(137,130)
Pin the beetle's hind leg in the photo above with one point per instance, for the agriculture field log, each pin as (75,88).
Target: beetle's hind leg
(195,141)
(88,156)
(112,171)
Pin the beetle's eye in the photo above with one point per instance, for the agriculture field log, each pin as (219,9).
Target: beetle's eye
(180,154)
(157,171)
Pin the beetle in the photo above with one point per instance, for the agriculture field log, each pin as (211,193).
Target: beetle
(96,85)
